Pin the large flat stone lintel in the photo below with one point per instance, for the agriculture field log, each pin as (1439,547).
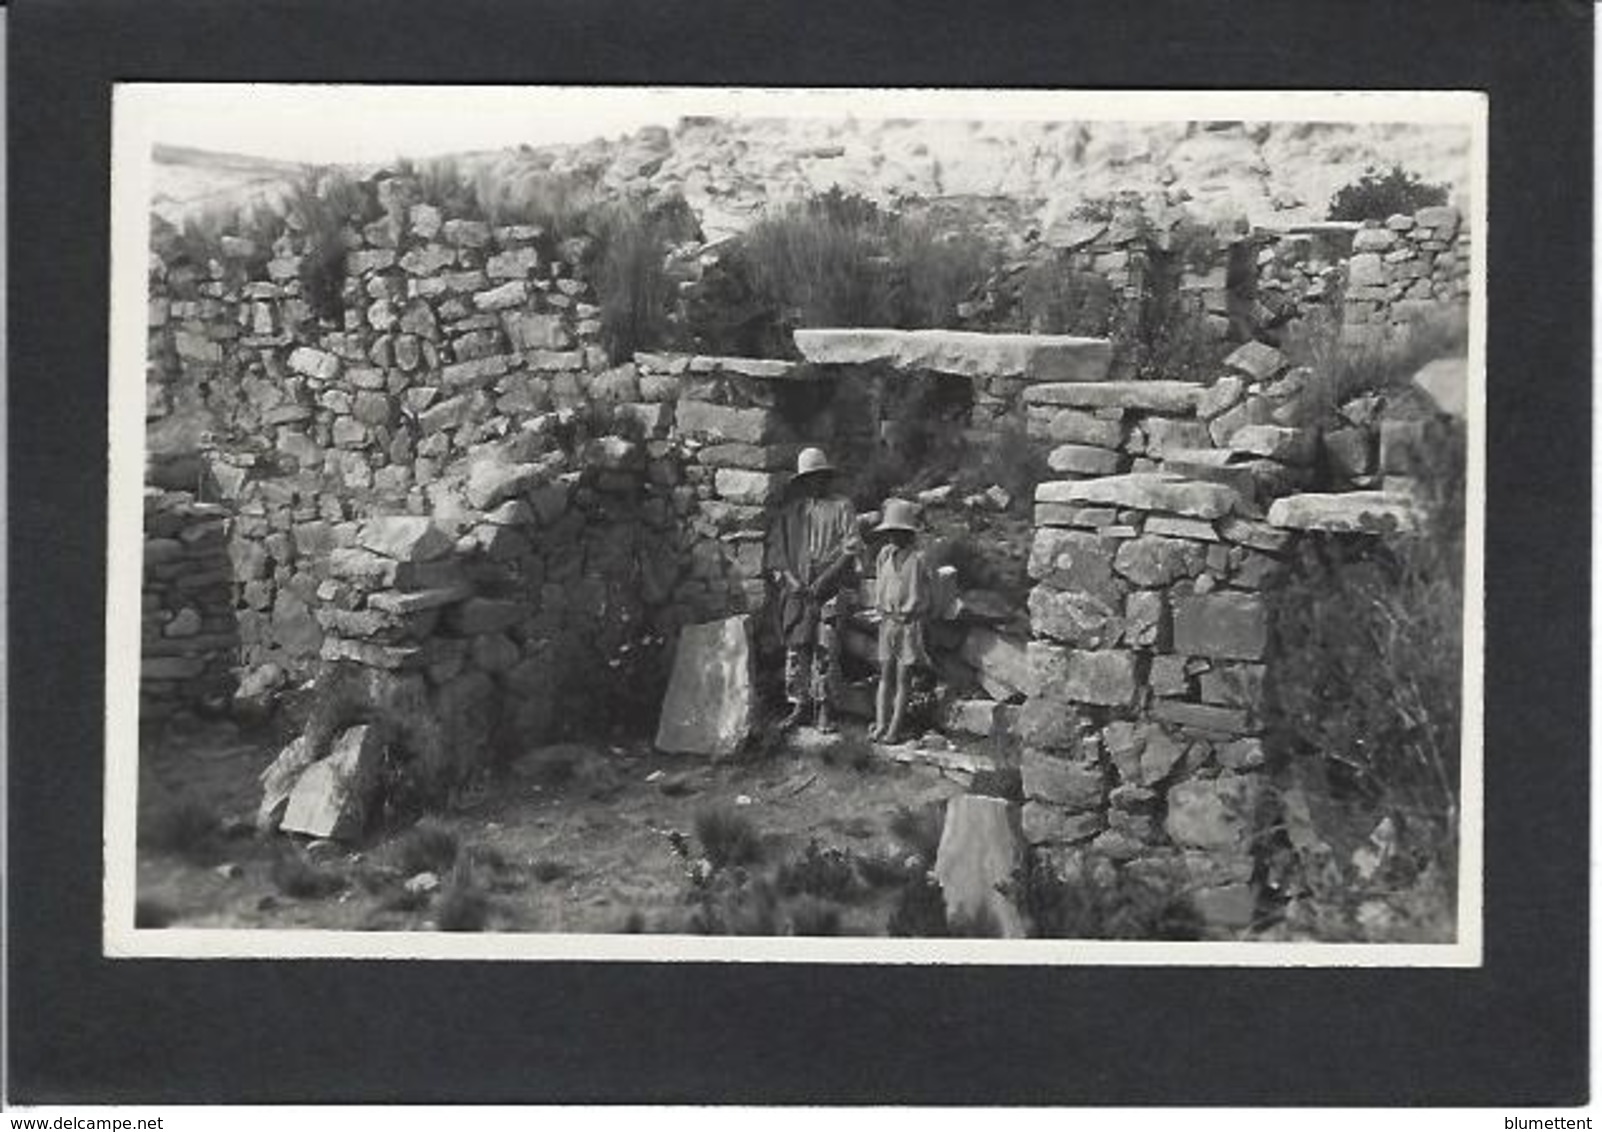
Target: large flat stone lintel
(1032,357)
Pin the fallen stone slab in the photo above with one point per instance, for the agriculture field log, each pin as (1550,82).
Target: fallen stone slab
(1361,512)
(915,754)
(1258,361)
(1033,357)
(1175,397)
(331,797)
(1001,662)
(1274,442)
(768,368)
(981,847)
(710,698)
(278,781)
(1146,491)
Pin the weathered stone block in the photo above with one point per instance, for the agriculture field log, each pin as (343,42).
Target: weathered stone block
(719,422)
(1002,663)
(1073,618)
(1081,459)
(709,702)
(1201,717)
(1174,397)
(749,488)
(1216,814)
(1072,785)
(1033,357)
(1045,824)
(331,796)
(1145,491)
(1224,625)
(1076,561)
(1273,442)
(1109,677)
(1371,512)
(981,847)
(1072,426)
(405,538)
(1150,560)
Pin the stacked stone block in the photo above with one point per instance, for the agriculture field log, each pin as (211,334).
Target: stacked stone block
(189,641)
(1142,731)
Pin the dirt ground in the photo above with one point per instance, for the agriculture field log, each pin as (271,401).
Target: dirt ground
(568,839)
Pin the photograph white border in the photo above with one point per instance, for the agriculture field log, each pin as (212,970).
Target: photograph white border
(144,114)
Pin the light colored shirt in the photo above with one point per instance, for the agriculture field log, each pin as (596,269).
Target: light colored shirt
(810,534)
(901,582)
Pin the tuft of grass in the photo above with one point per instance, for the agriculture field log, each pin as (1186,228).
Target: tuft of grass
(920,829)
(920,911)
(810,916)
(634,923)
(426,847)
(1082,906)
(821,871)
(462,906)
(727,837)
(547,869)
(181,825)
(152,913)
(1344,370)
(631,280)
(294,875)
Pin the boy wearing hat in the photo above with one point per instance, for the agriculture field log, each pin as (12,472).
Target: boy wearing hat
(901,594)
(812,553)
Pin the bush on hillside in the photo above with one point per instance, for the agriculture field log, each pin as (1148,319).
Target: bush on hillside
(1343,370)
(1376,195)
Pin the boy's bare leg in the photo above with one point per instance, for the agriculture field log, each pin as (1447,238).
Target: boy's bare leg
(881,706)
(903,684)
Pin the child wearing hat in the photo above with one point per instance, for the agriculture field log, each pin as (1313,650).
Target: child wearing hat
(901,594)
(811,554)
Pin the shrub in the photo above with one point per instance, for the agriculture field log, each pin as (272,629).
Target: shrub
(1057,299)
(294,875)
(920,829)
(1118,906)
(1369,682)
(822,871)
(560,204)
(179,825)
(152,913)
(1013,459)
(727,837)
(810,916)
(839,260)
(632,284)
(1376,195)
(441,183)
(320,208)
(462,906)
(547,870)
(920,911)
(426,847)
(1343,370)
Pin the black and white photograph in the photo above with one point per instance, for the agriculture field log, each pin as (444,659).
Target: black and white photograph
(795,525)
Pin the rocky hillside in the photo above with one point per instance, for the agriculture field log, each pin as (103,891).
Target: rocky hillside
(729,170)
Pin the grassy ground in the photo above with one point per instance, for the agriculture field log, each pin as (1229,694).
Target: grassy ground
(572,839)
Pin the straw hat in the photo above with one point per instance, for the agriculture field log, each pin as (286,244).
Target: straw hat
(812,461)
(899,515)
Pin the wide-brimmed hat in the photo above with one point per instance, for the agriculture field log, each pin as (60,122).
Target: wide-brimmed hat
(811,462)
(899,515)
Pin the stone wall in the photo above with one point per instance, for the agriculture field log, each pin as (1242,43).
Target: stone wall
(1403,269)
(1247,282)
(1177,512)
(189,639)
